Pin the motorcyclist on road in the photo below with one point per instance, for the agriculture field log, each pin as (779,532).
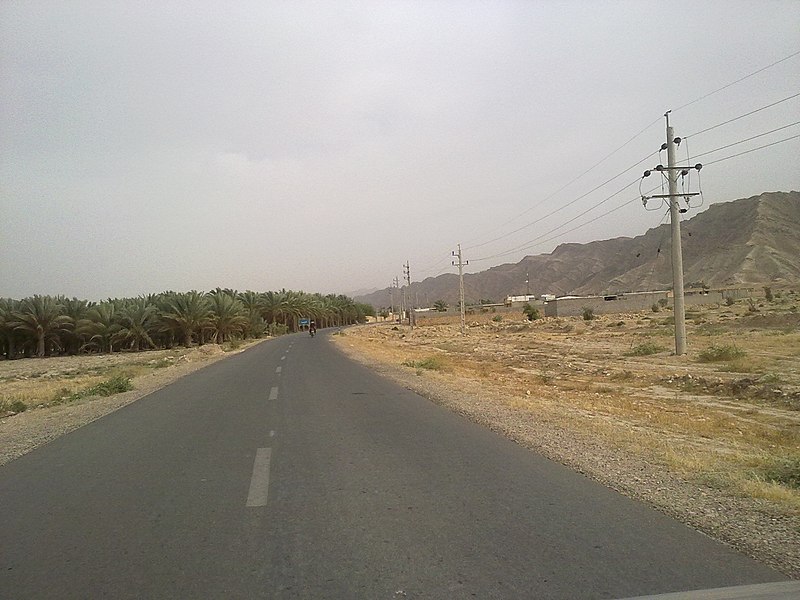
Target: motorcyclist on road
(312,328)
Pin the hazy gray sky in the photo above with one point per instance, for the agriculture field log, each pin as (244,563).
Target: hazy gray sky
(147,146)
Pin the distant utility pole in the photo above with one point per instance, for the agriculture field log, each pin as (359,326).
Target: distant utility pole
(396,286)
(672,172)
(527,284)
(391,299)
(461,264)
(411,316)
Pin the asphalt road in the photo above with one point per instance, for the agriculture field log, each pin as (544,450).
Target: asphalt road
(288,471)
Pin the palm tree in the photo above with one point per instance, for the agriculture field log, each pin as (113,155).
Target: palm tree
(253,304)
(8,335)
(187,314)
(100,326)
(227,315)
(440,306)
(138,320)
(41,318)
(77,311)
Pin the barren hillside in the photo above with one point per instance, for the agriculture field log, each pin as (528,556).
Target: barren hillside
(752,241)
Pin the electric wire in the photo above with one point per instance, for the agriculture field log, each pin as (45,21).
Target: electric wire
(703,97)
(563,187)
(528,243)
(724,87)
(559,209)
(746,140)
(555,237)
(713,162)
(752,112)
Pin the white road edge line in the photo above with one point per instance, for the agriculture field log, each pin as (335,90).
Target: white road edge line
(273,393)
(259,483)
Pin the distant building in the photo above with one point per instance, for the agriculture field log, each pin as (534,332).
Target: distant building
(519,300)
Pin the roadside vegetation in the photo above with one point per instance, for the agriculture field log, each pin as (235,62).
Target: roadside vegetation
(41,326)
(80,350)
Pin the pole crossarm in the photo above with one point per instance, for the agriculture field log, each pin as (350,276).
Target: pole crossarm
(671,195)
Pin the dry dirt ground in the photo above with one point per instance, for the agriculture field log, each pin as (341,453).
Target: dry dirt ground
(714,444)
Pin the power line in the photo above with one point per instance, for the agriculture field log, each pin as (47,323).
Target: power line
(747,139)
(538,242)
(713,162)
(529,242)
(559,209)
(566,185)
(752,112)
(724,87)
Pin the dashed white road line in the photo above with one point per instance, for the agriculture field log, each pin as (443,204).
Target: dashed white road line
(273,393)
(259,482)
(283,357)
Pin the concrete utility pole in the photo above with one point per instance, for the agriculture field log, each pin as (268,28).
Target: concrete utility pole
(672,172)
(679,311)
(527,284)
(396,284)
(411,316)
(461,264)
(391,299)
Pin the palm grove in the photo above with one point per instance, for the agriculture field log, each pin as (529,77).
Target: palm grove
(46,325)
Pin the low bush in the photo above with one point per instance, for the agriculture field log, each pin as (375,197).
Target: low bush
(530,311)
(645,349)
(721,353)
(109,387)
(588,313)
(16,406)
(432,363)
(783,471)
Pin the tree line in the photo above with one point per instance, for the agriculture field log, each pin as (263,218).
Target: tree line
(48,325)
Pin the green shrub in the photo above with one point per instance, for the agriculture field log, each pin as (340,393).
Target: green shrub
(768,293)
(18,406)
(497,318)
(663,302)
(784,471)
(109,387)
(530,311)
(721,353)
(588,313)
(729,301)
(432,363)
(655,307)
(645,349)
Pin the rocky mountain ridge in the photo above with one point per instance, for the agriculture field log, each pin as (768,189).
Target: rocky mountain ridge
(748,242)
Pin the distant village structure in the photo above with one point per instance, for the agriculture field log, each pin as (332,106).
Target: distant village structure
(570,306)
